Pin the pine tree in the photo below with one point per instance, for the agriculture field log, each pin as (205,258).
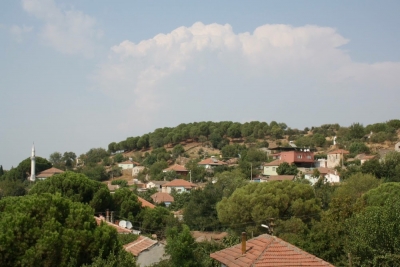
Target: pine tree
(1,170)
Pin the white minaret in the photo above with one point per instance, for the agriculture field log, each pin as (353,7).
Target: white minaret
(33,175)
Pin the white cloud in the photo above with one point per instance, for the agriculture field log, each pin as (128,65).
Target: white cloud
(279,72)
(19,32)
(67,31)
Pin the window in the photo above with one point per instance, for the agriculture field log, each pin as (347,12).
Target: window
(273,168)
(309,156)
(299,156)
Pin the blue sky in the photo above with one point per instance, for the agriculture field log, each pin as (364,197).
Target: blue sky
(80,74)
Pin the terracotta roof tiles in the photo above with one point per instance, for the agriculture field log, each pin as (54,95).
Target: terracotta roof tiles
(179,183)
(139,245)
(267,251)
(145,203)
(162,197)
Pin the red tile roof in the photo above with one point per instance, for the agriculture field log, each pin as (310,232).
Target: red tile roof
(339,151)
(145,203)
(49,172)
(276,162)
(177,168)
(139,245)
(162,197)
(212,162)
(267,251)
(179,183)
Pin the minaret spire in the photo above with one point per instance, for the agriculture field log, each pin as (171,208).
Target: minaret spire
(33,164)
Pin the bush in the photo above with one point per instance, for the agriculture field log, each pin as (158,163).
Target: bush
(121,183)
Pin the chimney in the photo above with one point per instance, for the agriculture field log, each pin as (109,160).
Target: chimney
(107,215)
(112,217)
(243,243)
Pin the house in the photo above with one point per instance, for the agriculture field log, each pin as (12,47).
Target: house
(329,176)
(48,173)
(334,157)
(145,203)
(301,157)
(211,163)
(266,251)
(179,169)
(270,167)
(156,184)
(129,164)
(147,251)
(136,170)
(160,197)
(179,185)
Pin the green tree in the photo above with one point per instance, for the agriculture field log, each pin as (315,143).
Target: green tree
(95,155)
(286,169)
(56,159)
(126,204)
(356,131)
(76,187)
(156,220)
(358,147)
(1,170)
(156,170)
(255,203)
(180,246)
(391,167)
(94,172)
(356,185)
(177,150)
(49,230)
(374,235)
(200,212)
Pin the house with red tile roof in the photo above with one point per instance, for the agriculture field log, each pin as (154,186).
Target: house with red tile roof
(147,251)
(48,173)
(266,251)
(179,185)
(335,156)
(179,169)
(211,163)
(160,197)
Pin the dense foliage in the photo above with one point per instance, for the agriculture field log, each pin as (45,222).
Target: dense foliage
(49,230)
